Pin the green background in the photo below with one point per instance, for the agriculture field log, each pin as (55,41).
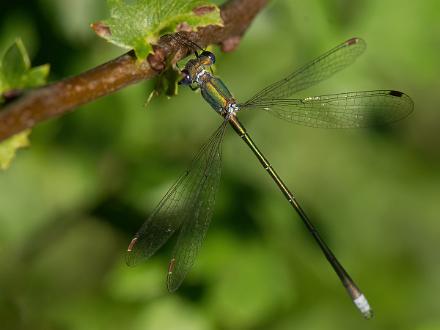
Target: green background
(70,203)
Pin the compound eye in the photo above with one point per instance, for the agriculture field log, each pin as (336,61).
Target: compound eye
(210,55)
(186,79)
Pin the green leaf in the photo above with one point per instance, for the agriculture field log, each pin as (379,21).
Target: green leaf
(16,74)
(9,147)
(16,71)
(140,23)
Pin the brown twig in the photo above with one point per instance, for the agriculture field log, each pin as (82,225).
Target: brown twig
(63,96)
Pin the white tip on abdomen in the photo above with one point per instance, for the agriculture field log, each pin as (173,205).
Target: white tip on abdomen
(363,305)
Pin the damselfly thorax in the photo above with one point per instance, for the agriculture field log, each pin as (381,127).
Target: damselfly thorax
(214,91)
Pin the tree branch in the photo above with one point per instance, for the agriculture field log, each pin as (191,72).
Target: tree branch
(63,96)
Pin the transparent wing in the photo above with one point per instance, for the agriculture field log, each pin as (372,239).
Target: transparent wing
(189,202)
(318,70)
(343,110)
(198,217)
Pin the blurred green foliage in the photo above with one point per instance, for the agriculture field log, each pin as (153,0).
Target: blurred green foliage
(16,71)
(70,203)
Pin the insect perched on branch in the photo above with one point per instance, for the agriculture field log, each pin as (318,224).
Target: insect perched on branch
(187,207)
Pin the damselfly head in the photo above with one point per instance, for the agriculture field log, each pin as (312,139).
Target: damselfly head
(186,78)
(207,58)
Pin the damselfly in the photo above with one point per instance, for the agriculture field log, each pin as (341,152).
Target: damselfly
(187,207)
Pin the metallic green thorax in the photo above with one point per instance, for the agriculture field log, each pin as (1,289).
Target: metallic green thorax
(215,92)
